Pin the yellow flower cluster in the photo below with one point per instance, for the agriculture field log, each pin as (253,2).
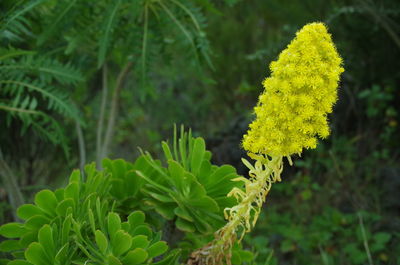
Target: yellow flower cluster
(302,88)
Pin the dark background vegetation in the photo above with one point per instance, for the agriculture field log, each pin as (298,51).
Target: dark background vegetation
(339,204)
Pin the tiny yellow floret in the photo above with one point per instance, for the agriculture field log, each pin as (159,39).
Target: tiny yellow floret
(292,110)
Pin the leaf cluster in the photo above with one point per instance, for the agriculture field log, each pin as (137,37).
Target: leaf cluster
(189,190)
(78,224)
(98,218)
(30,92)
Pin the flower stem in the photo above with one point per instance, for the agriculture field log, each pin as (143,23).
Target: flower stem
(243,216)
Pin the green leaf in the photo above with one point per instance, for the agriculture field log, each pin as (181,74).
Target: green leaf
(62,207)
(75,176)
(72,191)
(61,255)
(10,53)
(136,218)
(185,32)
(126,226)
(246,255)
(49,30)
(167,151)
(20,12)
(10,245)
(202,226)
(205,171)
(12,230)
(183,214)
(136,256)
(47,201)
(54,99)
(121,243)
(176,172)
(26,211)
(100,215)
(59,194)
(195,188)
(182,148)
(36,254)
(382,237)
(36,222)
(28,238)
(132,183)
(160,197)
(91,220)
(197,155)
(66,228)
(118,188)
(101,241)
(140,241)
(236,259)
(380,240)
(142,230)
(119,168)
(45,237)
(184,225)
(165,210)
(170,259)
(205,203)
(19,262)
(113,260)
(217,176)
(157,249)
(105,39)
(114,224)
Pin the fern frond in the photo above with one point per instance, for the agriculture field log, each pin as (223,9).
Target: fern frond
(56,20)
(190,14)
(48,69)
(55,100)
(14,24)
(107,30)
(181,27)
(46,127)
(11,52)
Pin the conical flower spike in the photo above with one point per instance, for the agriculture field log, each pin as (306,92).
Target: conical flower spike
(302,88)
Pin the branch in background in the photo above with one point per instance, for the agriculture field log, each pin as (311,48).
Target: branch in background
(82,149)
(114,110)
(101,118)
(10,183)
(380,19)
(365,240)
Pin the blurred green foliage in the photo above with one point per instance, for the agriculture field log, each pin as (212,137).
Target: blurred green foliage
(316,215)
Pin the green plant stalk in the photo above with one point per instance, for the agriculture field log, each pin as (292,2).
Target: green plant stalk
(114,110)
(81,145)
(100,122)
(242,217)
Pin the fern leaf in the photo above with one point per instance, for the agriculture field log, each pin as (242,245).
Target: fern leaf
(53,26)
(185,32)
(14,23)
(104,41)
(55,101)
(190,14)
(47,68)
(45,126)
(18,13)
(10,53)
